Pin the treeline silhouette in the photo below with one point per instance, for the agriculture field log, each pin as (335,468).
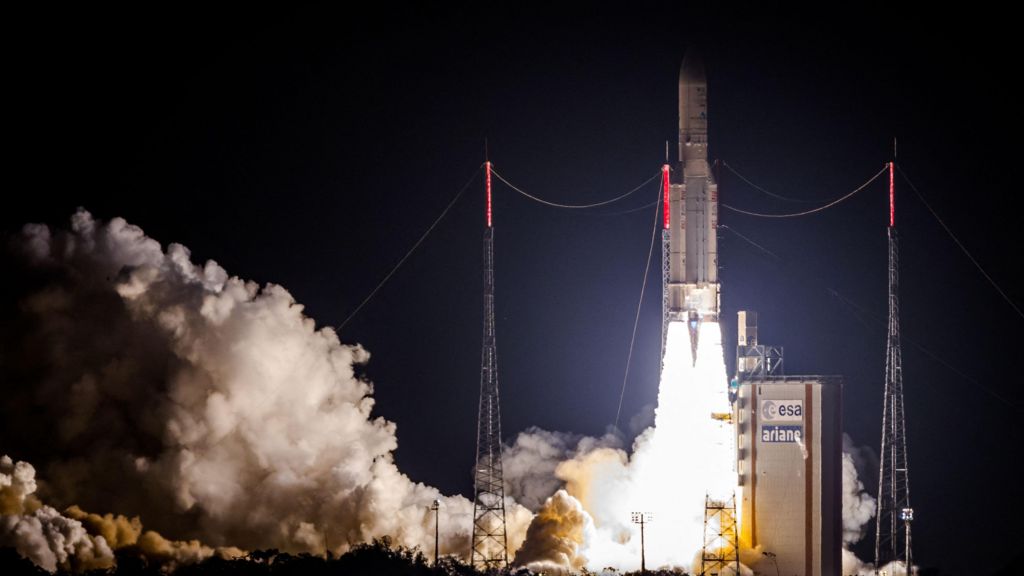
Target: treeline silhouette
(379,558)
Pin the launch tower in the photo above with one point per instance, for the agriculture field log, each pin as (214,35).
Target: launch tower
(892,541)
(490,544)
(789,436)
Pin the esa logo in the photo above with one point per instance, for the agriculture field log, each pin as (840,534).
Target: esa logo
(782,410)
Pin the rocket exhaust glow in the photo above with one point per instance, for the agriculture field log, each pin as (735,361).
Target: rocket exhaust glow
(675,465)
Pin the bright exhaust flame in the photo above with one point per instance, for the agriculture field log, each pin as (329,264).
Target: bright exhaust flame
(687,456)
(690,454)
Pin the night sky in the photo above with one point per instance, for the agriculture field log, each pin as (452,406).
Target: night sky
(311,149)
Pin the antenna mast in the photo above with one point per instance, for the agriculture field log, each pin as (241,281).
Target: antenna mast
(892,540)
(490,542)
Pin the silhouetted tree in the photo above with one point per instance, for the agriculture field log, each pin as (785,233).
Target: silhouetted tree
(12,563)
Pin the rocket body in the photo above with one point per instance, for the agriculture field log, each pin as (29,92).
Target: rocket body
(693,289)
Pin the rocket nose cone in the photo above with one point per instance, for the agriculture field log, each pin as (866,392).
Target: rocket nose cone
(692,70)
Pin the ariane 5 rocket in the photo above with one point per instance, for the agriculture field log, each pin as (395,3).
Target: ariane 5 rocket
(692,289)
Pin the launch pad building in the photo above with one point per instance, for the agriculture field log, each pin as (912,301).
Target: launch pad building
(788,461)
(789,467)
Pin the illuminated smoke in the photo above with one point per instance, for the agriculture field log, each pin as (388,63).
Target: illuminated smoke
(123,532)
(556,537)
(529,464)
(76,540)
(228,418)
(858,507)
(673,465)
(531,461)
(144,384)
(40,533)
(686,456)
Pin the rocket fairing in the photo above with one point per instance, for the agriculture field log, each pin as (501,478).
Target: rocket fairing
(693,289)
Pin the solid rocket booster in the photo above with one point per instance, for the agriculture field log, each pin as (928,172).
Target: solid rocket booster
(693,289)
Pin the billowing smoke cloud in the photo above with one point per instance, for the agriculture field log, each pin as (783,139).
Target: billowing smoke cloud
(76,540)
(529,465)
(144,384)
(557,536)
(531,461)
(858,506)
(123,532)
(41,533)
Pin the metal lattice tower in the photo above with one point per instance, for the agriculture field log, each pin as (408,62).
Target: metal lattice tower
(721,538)
(892,524)
(666,238)
(490,544)
(754,360)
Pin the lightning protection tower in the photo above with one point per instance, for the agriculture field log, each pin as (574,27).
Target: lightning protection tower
(490,545)
(666,251)
(892,524)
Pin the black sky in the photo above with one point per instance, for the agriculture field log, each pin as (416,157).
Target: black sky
(311,148)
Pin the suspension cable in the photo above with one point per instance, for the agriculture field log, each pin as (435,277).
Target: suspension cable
(411,250)
(751,242)
(960,244)
(629,211)
(813,210)
(573,206)
(769,193)
(636,321)
(863,315)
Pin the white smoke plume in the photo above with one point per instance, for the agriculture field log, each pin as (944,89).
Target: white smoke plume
(208,405)
(77,541)
(123,532)
(41,533)
(531,461)
(858,507)
(228,418)
(559,533)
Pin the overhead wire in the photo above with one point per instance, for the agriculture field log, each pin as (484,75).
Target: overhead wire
(752,243)
(813,210)
(639,305)
(413,249)
(769,193)
(630,211)
(858,310)
(960,244)
(572,206)
(863,314)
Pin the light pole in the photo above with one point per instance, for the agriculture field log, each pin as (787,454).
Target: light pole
(907,515)
(642,518)
(436,507)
